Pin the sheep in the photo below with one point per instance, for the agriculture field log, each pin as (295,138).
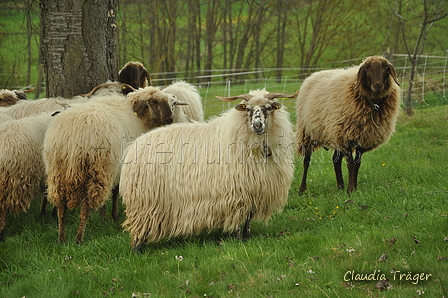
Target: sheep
(135,74)
(32,107)
(186,93)
(21,164)
(9,98)
(190,178)
(352,111)
(88,140)
(4,118)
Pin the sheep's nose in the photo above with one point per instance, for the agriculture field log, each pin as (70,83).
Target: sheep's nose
(378,86)
(169,121)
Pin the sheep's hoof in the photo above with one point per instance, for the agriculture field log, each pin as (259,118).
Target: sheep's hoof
(138,249)
(115,217)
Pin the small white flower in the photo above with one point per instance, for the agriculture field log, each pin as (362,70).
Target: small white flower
(310,271)
(179,258)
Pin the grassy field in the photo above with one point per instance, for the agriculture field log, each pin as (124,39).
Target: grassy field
(394,226)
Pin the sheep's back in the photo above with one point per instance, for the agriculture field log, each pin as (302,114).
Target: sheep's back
(27,108)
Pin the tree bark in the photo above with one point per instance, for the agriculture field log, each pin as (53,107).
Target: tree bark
(78,45)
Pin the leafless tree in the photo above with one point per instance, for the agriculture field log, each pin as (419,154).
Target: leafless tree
(424,14)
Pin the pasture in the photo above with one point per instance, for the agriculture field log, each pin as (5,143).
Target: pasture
(324,243)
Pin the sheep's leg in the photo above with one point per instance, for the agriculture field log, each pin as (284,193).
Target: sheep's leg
(137,246)
(337,163)
(246,228)
(43,205)
(351,171)
(306,163)
(357,165)
(62,210)
(3,216)
(103,211)
(115,194)
(83,217)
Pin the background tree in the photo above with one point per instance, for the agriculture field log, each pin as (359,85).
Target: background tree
(78,45)
(424,16)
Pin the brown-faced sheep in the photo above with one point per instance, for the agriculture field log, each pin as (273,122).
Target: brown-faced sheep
(21,165)
(84,144)
(350,110)
(190,178)
(9,98)
(135,74)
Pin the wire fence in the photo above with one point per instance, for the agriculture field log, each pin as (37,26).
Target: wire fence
(430,80)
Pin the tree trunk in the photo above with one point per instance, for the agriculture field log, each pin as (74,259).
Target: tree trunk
(79,48)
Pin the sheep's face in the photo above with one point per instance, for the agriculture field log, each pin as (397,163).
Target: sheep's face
(135,74)
(9,98)
(152,108)
(258,104)
(373,75)
(258,114)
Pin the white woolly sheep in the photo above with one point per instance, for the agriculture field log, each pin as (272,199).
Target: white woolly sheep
(83,147)
(21,164)
(32,107)
(9,98)
(186,93)
(4,118)
(135,74)
(350,110)
(190,178)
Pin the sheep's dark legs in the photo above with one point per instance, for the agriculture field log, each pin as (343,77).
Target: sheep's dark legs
(3,216)
(115,194)
(84,216)
(306,163)
(62,209)
(353,166)
(357,165)
(43,205)
(337,162)
(246,228)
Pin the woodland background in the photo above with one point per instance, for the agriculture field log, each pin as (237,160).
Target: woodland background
(202,41)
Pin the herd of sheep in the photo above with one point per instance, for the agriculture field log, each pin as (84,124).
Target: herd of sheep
(177,174)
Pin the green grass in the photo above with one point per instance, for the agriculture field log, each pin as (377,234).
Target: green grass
(305,251)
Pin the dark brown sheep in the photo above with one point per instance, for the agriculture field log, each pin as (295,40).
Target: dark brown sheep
(135,74)
(350,110)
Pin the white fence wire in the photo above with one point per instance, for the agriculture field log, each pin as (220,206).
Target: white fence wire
(429,81)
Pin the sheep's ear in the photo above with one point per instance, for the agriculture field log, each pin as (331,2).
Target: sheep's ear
(147,75)
(241,107)
(276,105)
(393,73)
(229,99)
(139,107)
(20,94)
(361,75)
